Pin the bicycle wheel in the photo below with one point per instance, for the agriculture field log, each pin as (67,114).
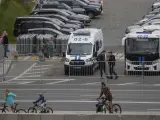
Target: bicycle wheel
(48,110)
(4,110)
(21,111)
(116,108)
(32,110)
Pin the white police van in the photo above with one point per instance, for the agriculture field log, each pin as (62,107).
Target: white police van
(142,47)
(84,45)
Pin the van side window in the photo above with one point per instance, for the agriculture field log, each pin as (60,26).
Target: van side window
(97,45)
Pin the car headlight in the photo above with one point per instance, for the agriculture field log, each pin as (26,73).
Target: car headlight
(67,60)
(89,60)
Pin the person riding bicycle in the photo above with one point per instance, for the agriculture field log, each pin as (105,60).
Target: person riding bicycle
(9,99)
(108,95)
(42,101)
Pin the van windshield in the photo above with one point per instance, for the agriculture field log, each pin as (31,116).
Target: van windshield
(79,49)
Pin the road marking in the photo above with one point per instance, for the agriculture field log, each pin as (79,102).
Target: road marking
(42,65)
(66,80)
(91,83)
(40,69)
(24,82)
(153,109)
(29,76)
(129,83)
(26,58)
(23,72)
(35,72)
(93,90)
(87,101)
(20,57)
(33,57)
(44,79)
(156,84)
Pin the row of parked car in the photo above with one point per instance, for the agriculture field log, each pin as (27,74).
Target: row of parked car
(58,17)
(151,19)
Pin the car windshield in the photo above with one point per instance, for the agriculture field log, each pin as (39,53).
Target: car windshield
(79,49)
(82,3)
(69,12)
(147,45)
(57,21)
(68,7)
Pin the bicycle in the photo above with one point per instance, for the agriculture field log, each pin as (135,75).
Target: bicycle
(43,110)
(104,107)
(4,109)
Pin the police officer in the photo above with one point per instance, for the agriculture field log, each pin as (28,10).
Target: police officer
(102,63)
(111,64)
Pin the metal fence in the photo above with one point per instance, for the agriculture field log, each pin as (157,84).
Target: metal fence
(55,69)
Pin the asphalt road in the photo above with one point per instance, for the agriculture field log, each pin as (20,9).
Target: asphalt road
(78,93)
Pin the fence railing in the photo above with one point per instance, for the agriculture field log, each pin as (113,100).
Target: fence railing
(56,69)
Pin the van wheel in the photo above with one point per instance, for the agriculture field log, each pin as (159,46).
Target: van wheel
(91,15)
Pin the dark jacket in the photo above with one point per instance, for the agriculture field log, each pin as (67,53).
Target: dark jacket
(106,91)
(5,40)
(101,59)
(111,61)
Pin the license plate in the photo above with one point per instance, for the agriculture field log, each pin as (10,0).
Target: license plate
(77,67)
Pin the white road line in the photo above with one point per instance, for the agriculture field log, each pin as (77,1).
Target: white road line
(35,72)
(24,82)
(27,57)
(129,83)
(93,90)
(91,83)
(153,109)
(39,69)
(60,81)
(87,101)
(156,84)
(42,65)
(30,76)
(23,72)
(44,79)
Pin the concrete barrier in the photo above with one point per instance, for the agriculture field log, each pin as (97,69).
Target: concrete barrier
(77,117)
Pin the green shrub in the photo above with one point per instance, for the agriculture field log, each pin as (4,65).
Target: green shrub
(9,10)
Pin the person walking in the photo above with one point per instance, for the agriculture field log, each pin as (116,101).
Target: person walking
(111,63)
(9,98)
(5,43)
(102,64)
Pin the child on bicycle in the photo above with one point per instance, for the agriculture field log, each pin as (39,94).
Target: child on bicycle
(42,101)
(9,99)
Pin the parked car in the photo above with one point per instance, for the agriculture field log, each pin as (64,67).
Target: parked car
(136,26)
(91,10)
(60,17)
(45,31)
(59,5)
(92,3)
(23,28)
(19,20)
(82,18)
(59,12)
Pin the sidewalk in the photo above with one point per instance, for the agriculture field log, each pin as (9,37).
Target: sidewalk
(6,64)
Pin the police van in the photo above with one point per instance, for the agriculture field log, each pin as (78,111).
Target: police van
(83,48)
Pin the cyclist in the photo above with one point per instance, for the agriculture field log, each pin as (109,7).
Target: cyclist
(108,95)
(42,101)
(9,99)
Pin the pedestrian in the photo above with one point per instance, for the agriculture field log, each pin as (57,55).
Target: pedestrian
(9,98)
(111,63)
(5,43)
(102,64)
